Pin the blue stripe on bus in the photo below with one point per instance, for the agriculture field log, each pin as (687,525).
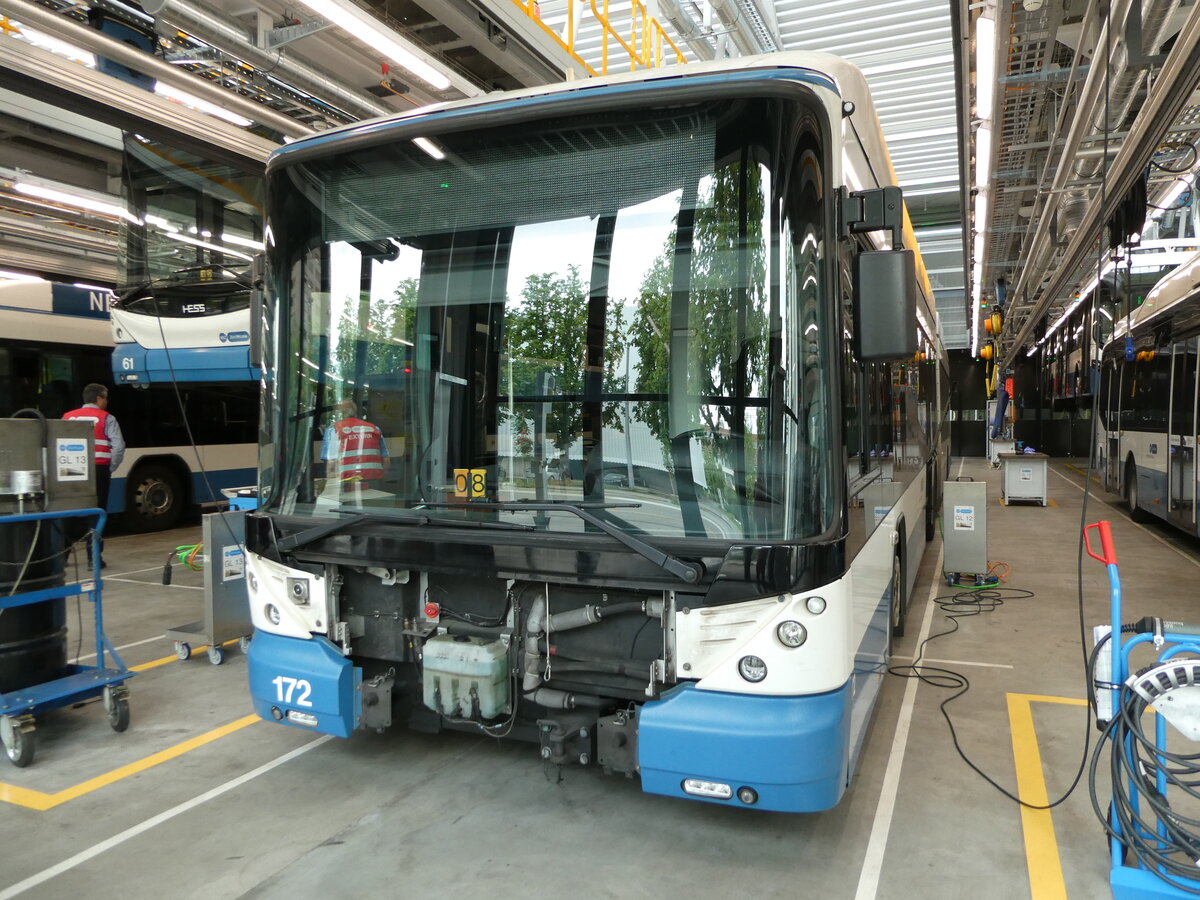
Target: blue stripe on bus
(218,478)
(806,76)
(191,364)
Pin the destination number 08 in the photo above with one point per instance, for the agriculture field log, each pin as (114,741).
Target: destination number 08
(286,688)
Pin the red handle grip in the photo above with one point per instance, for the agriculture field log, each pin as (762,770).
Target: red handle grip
(1106,543)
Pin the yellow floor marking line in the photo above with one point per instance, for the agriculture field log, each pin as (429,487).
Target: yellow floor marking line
(1041,846)
(1076,469)
(163,660)
(41,801)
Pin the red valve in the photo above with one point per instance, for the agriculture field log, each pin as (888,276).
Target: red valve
(432,610)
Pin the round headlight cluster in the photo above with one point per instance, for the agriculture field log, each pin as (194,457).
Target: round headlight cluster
(272,613)
(815,605)
(791,633)
(252,581)
(752,668)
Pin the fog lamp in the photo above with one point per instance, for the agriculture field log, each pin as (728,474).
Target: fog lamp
(791,633)
(816,605)
(272,613)
(752,668)
(713,789)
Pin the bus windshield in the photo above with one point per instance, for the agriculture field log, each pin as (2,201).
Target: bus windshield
(628,310)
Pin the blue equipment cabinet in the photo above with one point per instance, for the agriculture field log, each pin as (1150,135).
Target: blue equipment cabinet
(20,706)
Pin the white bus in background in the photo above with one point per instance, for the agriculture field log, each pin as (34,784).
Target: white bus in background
(55,338)
(1148,402)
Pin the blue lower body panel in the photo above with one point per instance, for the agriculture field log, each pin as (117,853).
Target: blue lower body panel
(793,751)
(305,684)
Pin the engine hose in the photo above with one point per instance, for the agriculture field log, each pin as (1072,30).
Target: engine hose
(606,666)
(552,699)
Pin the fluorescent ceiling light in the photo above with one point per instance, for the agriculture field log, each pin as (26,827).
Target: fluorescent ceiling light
(983,156)
(241,241)
(195,243)
(985,67)
(979,221)
(58,46)
(78,201)
(173,93)
(20,276)
(372,32)
(429,147)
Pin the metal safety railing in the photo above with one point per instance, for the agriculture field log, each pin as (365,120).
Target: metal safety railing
(641,39)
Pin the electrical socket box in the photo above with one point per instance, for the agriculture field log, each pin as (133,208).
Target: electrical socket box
(61,454)
(964,527)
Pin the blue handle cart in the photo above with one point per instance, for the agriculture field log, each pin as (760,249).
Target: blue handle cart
(1151,848)
(19,708)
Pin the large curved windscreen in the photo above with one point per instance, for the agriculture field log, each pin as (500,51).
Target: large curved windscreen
(627,310)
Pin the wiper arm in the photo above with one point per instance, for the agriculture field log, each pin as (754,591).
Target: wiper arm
(309,535)
(685,571)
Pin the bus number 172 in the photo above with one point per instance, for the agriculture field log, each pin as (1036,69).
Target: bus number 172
(285,687)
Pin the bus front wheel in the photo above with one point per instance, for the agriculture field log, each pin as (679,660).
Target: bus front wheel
(1136,513)
(154,499)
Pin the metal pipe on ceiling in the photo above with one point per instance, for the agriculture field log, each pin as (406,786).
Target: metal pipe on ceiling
(38,17)
(1110,116)
(1174,86)
(208,26)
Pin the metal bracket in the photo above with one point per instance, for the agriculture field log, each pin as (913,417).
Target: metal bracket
(279,37)
(878,209)
(1134,37)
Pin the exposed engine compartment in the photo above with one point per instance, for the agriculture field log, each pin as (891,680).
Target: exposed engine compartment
(561,665)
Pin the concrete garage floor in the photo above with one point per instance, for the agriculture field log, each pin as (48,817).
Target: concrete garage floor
(212,803)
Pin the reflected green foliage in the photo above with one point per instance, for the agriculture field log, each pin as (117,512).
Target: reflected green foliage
(546,337)
(726,311)
(372,336)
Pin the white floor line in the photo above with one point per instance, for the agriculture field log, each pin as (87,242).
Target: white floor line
(186,587)
(135,572)
(157,637)
(104,846)
(872,866)
(954,662)
(1189,558)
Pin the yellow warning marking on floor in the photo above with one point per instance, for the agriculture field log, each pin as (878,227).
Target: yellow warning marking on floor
(163,660)
(1041,846)
(1079,471)
(41,801)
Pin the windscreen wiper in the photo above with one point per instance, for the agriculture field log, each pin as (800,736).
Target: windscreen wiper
(686,571)
(309,535)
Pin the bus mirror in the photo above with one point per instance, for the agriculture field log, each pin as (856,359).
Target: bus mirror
(257,281)
(885,305)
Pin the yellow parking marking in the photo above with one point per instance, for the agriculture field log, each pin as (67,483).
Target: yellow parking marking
(1079,471)
(1041,846)
(41,801)
(163,660)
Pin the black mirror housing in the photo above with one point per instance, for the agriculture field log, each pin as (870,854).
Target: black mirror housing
(885,305)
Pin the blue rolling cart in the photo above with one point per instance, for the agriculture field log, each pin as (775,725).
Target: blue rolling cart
(20,708)
(1154,845)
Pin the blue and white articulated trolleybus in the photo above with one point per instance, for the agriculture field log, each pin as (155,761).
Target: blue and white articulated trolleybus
(1148,402)
(603,416)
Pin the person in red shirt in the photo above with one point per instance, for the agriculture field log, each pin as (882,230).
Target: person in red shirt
(354,450)
(108,441)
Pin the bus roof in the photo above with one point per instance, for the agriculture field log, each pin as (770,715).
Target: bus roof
(1166,298)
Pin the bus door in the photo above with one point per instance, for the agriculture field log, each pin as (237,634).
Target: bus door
(1182,439)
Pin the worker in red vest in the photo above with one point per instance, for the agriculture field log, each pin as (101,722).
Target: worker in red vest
(108,441)
(353,448)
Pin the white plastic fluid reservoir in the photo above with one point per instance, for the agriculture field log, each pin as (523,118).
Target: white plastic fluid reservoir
(463,671)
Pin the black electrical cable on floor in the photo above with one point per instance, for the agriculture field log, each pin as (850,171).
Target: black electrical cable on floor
(961,605)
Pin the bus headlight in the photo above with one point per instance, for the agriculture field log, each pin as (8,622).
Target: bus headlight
(272,613)
(791,634)
(752,668)
(816,605)
(252,582)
